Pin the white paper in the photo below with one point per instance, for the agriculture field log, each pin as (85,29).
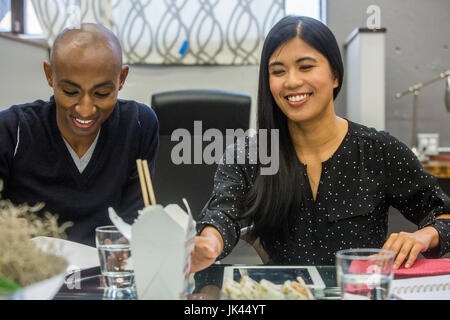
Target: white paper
(423,288)
(77,255)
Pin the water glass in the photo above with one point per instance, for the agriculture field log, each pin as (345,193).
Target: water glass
(364,274)
(114,253)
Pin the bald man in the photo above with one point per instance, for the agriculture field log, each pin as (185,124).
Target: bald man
(77,152)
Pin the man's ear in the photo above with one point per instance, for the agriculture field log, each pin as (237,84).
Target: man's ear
(123,76)
(48,73)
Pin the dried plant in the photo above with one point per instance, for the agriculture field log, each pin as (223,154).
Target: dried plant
(21,260)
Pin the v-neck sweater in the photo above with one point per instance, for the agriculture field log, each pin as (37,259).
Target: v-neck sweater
(36,166)
(82,162)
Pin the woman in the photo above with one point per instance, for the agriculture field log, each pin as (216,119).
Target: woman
(336,179)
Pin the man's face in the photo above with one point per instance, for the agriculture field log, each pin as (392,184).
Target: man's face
(86,82)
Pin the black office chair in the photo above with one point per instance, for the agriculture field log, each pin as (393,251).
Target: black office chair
(178,110)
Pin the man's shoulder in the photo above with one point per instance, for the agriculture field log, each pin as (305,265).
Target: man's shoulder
(26,111)
(133,110)
(134,107)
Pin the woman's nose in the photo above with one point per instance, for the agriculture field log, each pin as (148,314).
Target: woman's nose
(293,80)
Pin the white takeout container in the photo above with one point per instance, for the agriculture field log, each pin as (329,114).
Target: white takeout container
(162,240)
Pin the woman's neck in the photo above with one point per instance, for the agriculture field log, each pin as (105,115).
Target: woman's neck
(317,136)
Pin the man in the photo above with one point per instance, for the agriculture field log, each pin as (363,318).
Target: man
(77,152)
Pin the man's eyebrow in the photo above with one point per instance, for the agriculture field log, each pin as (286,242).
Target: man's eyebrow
(278,63)
(103,84)
(95,87)
(71,83)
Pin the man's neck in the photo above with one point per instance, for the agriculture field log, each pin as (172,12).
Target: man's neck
(79,144)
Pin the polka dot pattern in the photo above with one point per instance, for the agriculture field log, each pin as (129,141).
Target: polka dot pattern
(369,172)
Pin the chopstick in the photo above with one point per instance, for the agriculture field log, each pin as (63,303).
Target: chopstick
(146,182)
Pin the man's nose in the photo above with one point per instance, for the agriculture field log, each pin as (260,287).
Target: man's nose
(86,107)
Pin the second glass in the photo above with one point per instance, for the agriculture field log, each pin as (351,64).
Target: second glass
(364,274)
(114,253)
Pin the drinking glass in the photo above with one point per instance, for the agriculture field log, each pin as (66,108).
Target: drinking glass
(364,274)
(114,253)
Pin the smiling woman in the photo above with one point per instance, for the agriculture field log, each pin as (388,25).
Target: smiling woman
(336,178)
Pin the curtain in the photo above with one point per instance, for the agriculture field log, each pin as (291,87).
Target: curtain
(56,15)
(227,32)
(5,7)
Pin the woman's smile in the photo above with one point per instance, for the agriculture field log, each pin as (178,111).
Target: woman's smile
(298,99)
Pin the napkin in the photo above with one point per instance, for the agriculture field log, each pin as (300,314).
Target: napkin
(424,267)
(420,268)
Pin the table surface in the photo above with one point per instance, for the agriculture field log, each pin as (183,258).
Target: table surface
(207,284)
(438,167)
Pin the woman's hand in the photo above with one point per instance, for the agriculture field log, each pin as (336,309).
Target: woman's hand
(208,246)
(407,245)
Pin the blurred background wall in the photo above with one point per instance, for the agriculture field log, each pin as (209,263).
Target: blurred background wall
(417,49)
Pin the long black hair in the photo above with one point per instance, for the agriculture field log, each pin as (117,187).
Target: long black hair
(272,198)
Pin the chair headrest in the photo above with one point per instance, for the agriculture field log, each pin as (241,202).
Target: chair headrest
(215,108)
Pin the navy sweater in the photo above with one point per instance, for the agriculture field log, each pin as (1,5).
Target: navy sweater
(38,167)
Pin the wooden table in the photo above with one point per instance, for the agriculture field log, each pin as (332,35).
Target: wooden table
(440,167)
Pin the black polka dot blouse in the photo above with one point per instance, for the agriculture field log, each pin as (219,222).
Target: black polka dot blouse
(369,172)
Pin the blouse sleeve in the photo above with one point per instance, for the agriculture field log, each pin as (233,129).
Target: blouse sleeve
(416,193)
(232,181)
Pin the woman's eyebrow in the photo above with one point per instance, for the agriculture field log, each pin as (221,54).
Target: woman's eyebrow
(278,63)
(275,63)
(305,58)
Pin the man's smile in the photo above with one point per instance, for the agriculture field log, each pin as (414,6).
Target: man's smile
(83,124)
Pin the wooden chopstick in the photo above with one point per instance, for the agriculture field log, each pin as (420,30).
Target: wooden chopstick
(142,181)
(148,181)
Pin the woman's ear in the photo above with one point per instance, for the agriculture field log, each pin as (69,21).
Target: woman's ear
(335,79)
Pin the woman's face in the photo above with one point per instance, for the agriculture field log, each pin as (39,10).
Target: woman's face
(301,81)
